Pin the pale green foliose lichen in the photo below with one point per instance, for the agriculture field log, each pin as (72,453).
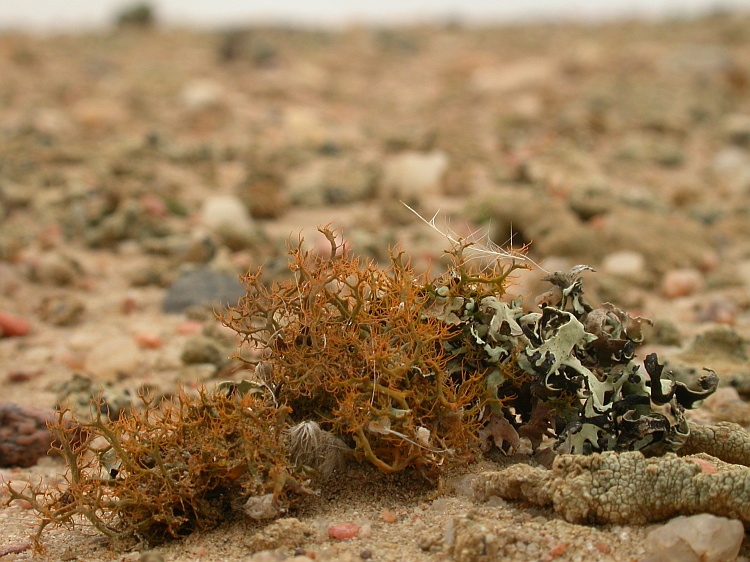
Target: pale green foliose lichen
(568,372)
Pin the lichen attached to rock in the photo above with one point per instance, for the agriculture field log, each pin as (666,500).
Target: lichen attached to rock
(626,488)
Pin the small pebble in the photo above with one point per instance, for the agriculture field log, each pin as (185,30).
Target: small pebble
(148,340)
(128,305)
(113,357)
(389,516)
(15,377)
(343,531)
(558,550)
(625,263)
(703,537)
(13,326)
(681,283)
(190,328)
(154,205)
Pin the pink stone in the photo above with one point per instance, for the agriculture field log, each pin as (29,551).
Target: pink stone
(343,531)
(148,340)
(681,283)
(190,327)
(13,325)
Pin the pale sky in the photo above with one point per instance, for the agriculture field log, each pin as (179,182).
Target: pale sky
(67,14)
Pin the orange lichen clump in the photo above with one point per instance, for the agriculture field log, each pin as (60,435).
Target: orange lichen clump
(166,470)
(352,345)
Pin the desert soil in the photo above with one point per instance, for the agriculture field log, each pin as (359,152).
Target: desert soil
(624,146)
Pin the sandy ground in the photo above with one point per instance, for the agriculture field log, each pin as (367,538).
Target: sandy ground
(625,146)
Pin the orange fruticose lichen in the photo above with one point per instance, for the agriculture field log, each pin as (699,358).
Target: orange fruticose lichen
(167,470)
(353,346)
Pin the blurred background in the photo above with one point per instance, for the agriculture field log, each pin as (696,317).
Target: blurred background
(77,14)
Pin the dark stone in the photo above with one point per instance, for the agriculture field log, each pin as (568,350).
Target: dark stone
(24,437)
(203,287)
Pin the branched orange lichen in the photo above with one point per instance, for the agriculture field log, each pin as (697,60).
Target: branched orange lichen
(167,470)
(353,346)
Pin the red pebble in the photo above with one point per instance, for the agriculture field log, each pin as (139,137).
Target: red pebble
(558,550)
(190,327)
(13,325)
(343,531)
(148,340)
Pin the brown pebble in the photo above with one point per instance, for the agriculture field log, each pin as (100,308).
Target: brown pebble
(129,305)
(24,436)
(343,531)
(14,548)
(21,376)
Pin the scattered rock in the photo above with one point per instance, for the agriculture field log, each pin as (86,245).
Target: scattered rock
(726,405)
(201,349)
(304,127)
(625,264)
(389,516)
(663,331)
(332,181)
(699,538)
(202,94)
(113,358)
(264,195)
(261,507)
(62,310)
(471,541)
(731,161)
(343,531)
(13,326)
(591,200)
(55,269)
(227,216)
(24,437)
(737,129)
(203,286)
(412,176)
(681,283)
(287,533)
(148,340)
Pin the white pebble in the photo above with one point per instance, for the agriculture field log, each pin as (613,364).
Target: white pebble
(625,263)
(698,538)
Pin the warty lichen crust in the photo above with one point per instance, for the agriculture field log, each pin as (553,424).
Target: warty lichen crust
(724,440)
(625,488)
